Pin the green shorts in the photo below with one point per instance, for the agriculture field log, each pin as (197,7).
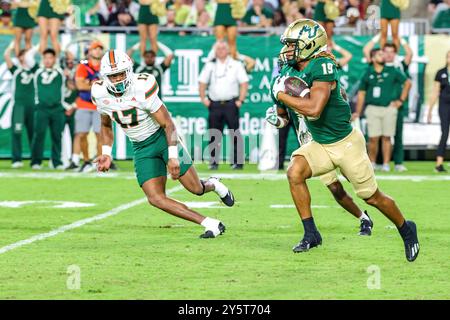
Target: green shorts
(223,16)
(46,11)
(23,20)
(146,16)
(151,157)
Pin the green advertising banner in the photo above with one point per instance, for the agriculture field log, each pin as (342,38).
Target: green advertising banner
(180,86)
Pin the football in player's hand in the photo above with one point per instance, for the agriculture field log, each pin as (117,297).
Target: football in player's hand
(296,87)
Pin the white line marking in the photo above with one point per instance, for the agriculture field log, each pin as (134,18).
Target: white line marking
(236,176)
(50,204)
(80,223)
(289,206)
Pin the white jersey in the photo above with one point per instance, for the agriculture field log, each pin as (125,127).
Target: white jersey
(132,111)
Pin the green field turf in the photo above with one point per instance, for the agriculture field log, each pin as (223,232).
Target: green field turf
(143,253)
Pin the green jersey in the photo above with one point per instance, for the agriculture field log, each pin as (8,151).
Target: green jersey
(49,87)
(298,121)
(23,84)
(380,87)
(334,122)
(156,70)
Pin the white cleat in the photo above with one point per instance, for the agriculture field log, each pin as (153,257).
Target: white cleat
(400,168)
(36,167)
(222,191)
(386,168)
(17,165)
(213,228)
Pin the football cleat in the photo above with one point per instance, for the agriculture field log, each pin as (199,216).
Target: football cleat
(222,191)
(308,242)
(17,165)
(412,243)
(214,233)
(72,166)
(365,229)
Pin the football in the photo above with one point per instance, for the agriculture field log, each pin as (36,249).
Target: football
(296,87)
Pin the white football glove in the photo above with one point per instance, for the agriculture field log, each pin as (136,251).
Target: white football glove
(273,118)
(278,86)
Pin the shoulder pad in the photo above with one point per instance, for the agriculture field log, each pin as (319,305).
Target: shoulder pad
(98,89)
(146,86)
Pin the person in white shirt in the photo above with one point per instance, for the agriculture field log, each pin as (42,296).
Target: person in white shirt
(132,101)
(226,82)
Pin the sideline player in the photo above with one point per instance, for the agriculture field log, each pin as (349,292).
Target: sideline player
(335,143)
(132,101)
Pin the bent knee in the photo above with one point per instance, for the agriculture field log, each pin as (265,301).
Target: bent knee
(337,190)
(295,174)
(157,201)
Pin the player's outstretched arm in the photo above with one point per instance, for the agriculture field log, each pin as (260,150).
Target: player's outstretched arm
(312,107)
(162,116)
(106,139)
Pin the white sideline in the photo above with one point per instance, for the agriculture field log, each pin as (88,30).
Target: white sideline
(80,223)
(237,176)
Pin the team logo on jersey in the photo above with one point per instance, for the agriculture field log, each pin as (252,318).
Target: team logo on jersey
(106,101)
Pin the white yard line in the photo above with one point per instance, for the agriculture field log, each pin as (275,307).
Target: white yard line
(237,176)
(80,223)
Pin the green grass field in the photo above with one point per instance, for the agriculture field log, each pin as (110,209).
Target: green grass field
(143,253)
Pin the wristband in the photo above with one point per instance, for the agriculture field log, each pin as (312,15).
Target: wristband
(173,152)
(107,150)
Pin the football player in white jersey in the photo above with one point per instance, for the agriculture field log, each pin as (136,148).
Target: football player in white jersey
(132,101)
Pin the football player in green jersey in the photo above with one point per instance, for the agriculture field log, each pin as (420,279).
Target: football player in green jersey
(279,116)
(335,143)
(49,85)
(23,101)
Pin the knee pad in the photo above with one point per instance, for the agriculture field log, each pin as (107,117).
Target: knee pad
(203,188)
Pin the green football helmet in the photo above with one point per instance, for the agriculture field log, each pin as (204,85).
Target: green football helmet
(309,39)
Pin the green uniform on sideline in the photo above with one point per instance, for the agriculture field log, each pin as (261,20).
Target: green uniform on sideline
(156,70)
(334,123)
(398,154)
(380,87)
(49,96)
(23,110)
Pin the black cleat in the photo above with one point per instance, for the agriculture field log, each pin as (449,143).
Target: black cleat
(308,242)
(228,200)
(366,226)
(210,234)
(213,166)
(412,243)
(72,167)
(440,169)
(237,167)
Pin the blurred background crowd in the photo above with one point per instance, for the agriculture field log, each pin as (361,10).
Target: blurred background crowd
(258,13)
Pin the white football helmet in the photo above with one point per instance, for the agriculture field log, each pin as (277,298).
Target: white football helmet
(113,63)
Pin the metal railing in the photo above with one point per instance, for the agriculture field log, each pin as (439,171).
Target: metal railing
(407,27)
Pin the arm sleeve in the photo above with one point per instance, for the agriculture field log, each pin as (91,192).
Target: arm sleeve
(164,67)
(364,84)
(437,77)
(401,77)
(205,74)
(81,72)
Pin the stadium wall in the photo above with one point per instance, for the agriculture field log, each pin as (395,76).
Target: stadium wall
(180,88)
